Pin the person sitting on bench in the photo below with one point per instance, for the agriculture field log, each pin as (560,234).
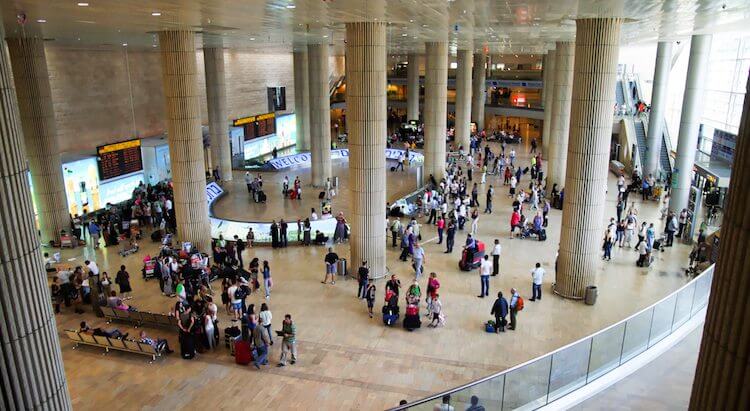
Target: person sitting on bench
(117,303)
(113,333)
(159,344)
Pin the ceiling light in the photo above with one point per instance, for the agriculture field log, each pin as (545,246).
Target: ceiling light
(404,35)
(325,36)
(83,4)
(424,25)
(124,44)
(252,38)
(291,6)
(156,13)
(153,45)
(41,21)
(411,20)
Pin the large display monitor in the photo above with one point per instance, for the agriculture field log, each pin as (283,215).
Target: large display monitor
(119,159)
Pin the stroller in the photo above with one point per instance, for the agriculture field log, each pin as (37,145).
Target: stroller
(128,245)
(471,258)
(390,309)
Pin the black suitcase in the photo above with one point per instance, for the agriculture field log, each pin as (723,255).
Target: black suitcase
(321,195)
(542,235)
(187,346)
(156,236)
(231,333)
(261,197)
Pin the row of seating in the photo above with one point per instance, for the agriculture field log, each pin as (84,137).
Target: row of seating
(113,343)
(139,317)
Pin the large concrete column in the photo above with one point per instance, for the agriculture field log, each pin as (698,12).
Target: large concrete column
(40,134)
(320,113)
(31,366)
(479,90)
(595,74)
(180,80)
(463,98)
(560,120)
(435,109)
(690,120)
(367,106)
(722,377)
(412,87)
(216,96)
(548,88)
(658,105)
(302,100)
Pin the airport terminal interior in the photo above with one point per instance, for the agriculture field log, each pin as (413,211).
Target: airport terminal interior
(374,204)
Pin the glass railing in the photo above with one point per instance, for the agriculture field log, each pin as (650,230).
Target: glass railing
(540,381)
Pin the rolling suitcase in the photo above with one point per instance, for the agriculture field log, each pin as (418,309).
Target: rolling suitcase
(187,346)
(156,236)
(242,354)
(542,235)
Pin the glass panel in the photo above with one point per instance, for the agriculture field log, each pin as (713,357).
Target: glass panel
(661,324)
(569,368)
(636,335)
(526,387)
(682,310)
(489,395)
(605,351)
(702,287)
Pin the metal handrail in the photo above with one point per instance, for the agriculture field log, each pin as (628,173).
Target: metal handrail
(551,353)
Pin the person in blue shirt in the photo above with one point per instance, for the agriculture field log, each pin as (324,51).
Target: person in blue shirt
(650,234)
(94,231)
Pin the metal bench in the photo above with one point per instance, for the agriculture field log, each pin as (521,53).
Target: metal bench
(139,318)
(113,343)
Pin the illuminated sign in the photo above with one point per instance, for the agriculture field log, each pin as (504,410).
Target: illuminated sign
(304,158)
(119,159)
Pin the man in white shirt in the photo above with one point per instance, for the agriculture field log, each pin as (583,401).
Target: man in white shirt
(93,268)
(496,258)
(485,269)
(536,279)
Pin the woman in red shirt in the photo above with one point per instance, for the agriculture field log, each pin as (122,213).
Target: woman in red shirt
(515,218)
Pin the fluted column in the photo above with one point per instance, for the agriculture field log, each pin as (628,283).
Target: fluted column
(560,121)
(435,109)
(302,100)
(479,90)
(33,376)
(690,120)
(722,377)
(548,88)
(180,81)
(463,98)
(658,105)
(320,113)
(40,134)
(412,87)
(367,107)
(594,77)
(216,96)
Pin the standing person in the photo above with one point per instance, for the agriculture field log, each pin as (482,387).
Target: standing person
(363,275)
(240,246)
(261,340)
(370,295)
(283,227)
(248,182)
(485,269)
(488,201)
(440,228)
(330,259)
(436,310)
(433,285)
(620,209)
(289,343)
(608,241)
(267,281)
(235,296)
(500,311)
(450,236)
(537,274)
(265,317)
(274,234)
(682,222)
(394,285)
(250,237)
(642,234)
(418,256)
(516,305)
(671,227)
(94,232)
(209,330)
(123,280)
(496,258)
(474,221)
(395,229)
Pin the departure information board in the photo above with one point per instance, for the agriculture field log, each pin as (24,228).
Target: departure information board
(257,126)
(119,159)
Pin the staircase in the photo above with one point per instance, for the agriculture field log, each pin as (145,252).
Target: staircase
(640,135)
(619,94)
(666,147)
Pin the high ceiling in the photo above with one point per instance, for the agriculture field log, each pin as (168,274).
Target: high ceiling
(503,26)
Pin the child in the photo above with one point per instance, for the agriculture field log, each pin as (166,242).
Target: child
(437,311)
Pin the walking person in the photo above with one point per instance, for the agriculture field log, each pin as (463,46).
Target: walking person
(433,285)
(418,257)
(496,258)
(450,237)
(682,222)
(485,269)
(239,245)
(395,229)
(608,241)
(436,311)
(370,295)
(500,311)
(265,317)
(642,234)
(261,340)
(330,259)
(123,280)
(267,282)
(363,276)
(488,201)
(289,343)
(671,227)
(440,228)
(537,274)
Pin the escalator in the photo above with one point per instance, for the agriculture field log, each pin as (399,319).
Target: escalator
(619,94)
(640,135)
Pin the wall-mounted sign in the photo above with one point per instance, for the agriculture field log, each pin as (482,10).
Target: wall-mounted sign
(257,126)
(304,158)
(119,159)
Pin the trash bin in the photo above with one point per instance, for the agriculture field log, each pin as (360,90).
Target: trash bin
(341,266)
(591,293)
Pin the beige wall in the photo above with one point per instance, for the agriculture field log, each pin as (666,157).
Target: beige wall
(91,92)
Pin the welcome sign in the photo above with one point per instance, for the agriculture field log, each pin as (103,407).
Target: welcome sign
(305,159)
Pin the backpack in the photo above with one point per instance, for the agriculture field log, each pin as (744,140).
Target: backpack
(519,304)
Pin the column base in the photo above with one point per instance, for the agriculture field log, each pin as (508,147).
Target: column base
(569,297)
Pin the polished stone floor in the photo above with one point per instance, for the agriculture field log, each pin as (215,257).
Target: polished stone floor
(349,361)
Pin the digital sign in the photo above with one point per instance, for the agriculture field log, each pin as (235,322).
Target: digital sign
(257,126)
(119,159)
